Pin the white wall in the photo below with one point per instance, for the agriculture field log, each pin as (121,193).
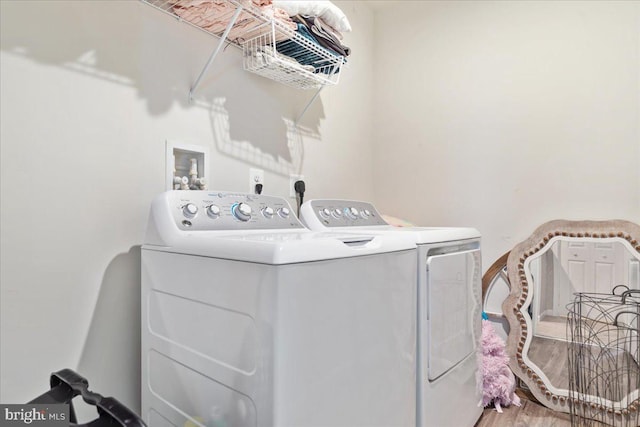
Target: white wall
(90,92)
(498,115)
(503,115)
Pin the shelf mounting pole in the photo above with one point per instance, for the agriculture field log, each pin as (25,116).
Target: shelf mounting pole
(223,38)
(297,120)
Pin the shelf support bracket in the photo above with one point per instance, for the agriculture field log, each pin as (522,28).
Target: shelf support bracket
(297,120)
(223,39)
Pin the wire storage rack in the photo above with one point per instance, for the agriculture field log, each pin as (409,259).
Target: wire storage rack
(603,354)
(270,48)
(294,61)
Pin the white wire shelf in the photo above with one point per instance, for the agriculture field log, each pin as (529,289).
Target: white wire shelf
(270,48)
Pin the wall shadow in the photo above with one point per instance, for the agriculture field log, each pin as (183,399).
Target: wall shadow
(132,44)
(110,359)
(253,119)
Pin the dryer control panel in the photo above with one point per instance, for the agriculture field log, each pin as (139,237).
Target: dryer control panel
(211,210)
(340,213)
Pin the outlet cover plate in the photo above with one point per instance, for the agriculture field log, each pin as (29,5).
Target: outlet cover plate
(292,180)
(256,176)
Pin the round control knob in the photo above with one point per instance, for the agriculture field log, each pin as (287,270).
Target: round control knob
(337,213)
(241,211)
(267,212)
(284,212)
(324,213)
(213,211)
(351,213)
(189,210)
(365,213)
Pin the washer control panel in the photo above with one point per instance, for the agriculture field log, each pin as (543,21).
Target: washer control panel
(208,210)
(341,213)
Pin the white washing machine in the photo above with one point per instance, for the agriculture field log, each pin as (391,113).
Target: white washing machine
(250,319)
(449,307)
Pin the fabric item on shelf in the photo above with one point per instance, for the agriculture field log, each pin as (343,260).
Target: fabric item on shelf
(265,57)
(214,16)
(329,12)
(323,34)
(305,56)
(280,16)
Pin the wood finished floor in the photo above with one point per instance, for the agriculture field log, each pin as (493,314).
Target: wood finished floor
(530,414)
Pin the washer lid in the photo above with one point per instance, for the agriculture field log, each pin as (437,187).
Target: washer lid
(283,246)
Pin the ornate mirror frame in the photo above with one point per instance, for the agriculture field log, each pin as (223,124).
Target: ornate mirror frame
(492,272)
(515,306)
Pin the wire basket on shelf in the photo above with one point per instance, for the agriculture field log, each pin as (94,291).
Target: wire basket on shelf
(290,58)
(603,356)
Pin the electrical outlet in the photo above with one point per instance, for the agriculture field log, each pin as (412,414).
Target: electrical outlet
(256,176)
(292,181)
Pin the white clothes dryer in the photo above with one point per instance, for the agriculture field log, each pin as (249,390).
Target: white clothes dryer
(250,319)
(449,293)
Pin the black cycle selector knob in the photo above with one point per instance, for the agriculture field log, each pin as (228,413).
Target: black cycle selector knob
(241,211)
(189,210)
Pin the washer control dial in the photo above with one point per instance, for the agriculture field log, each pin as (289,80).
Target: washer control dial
(189,210)
(365,213)
(324,213)
(284,212)
(241,211)
(351,213)
(213,211)
(267,212)
(337,213)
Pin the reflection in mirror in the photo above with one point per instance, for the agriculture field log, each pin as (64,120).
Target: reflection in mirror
(560,259)
(564,267)
(571,265)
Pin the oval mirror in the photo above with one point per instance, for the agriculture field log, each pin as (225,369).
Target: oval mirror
(562,258)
